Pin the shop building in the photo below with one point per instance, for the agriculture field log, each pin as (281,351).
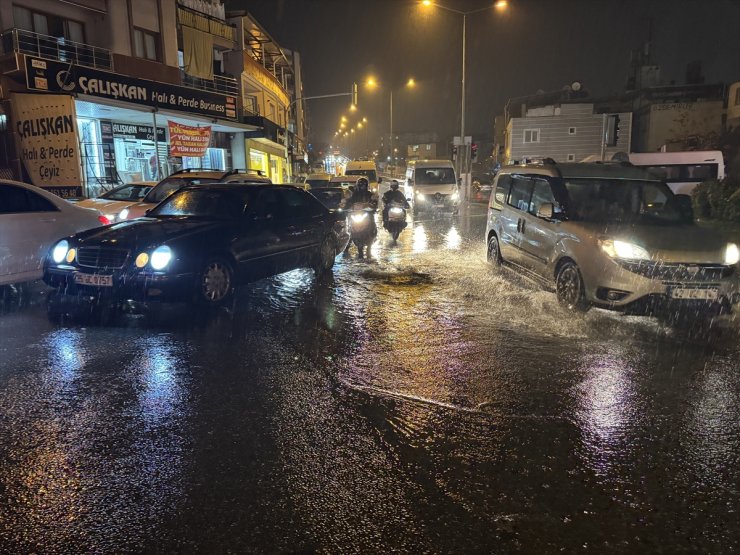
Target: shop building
(272,99)
(132,67)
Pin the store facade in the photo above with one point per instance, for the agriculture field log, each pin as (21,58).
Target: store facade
(117,117)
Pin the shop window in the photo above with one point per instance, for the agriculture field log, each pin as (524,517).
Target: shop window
(214,159)
(258,161)
(146,44)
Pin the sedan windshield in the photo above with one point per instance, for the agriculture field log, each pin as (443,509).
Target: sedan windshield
(622,201)
(204,203)
(434,176)
(165,188)
(127,192)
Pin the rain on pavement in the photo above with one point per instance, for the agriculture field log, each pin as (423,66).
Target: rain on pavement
(413,403)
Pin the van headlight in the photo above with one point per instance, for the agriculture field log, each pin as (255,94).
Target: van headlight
(420,196)
(60,251)
(161,257)
(623,249)
(455,196)
(732,254)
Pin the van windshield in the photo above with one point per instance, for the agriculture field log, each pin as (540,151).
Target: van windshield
(434,176)
(622,201)
(370,174)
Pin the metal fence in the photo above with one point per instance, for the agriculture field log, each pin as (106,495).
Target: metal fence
(55,48)
(223,84)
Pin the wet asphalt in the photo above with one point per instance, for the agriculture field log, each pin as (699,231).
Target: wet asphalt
(413,403)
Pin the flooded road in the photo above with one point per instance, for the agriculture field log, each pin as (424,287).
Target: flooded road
(414,403)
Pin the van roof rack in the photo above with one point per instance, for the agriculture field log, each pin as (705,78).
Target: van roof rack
(248,170)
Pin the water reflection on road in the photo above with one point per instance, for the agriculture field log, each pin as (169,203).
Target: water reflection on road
(413,402)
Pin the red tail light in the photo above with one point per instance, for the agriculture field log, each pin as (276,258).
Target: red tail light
(103,220)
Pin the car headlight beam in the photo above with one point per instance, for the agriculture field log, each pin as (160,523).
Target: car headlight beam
(60,251)
(614,248)
(161,257)
(732,254)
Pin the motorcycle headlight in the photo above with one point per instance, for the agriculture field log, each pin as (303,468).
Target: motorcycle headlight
(161,257)
(60,251)
(123,214)
(623,249)
(396,211)
(732,254)
(357,218)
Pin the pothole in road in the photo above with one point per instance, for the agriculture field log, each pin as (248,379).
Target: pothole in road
(407,278)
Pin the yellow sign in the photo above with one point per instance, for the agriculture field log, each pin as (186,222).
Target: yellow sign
(45,129)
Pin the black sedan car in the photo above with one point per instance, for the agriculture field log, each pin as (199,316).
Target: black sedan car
(197,245)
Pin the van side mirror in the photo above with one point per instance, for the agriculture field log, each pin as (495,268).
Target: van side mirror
(685,208)
(545,211)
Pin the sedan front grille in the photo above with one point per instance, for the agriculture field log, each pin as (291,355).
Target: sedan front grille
(679,272)
(102,257)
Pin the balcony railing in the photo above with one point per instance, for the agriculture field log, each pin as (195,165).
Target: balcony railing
(223,84)
(55,48)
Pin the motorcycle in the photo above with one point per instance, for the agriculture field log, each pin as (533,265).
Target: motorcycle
(395,222)
(362,227)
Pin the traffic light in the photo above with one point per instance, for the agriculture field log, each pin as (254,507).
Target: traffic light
(354,94)
(474,152)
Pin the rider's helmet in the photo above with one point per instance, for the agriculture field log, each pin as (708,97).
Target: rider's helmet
(362,185)
(394,185)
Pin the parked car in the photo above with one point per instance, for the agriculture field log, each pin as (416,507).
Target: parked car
(115,204)
(31,220)
(608,235)
(317,180)
(181,178)
(197,245)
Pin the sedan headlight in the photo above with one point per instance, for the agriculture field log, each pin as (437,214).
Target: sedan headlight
(732,254)
(123,214)
(161,257)
(60,251)
(623,249)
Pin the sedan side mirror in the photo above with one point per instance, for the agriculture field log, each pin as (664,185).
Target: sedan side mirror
(545,211)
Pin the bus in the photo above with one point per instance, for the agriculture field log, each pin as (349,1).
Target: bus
(682,171)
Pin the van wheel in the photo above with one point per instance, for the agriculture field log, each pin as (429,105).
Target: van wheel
(569,288)
(493,253)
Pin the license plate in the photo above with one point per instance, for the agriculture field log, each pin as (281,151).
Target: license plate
(94,279)
(695,293)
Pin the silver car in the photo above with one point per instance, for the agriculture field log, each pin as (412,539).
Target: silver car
(608,235)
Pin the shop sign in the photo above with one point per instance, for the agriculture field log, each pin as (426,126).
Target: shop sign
(138,132)
(48,76)
(186,140)
(45,130)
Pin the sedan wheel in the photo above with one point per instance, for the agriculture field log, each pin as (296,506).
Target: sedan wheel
(216,282)
(570,289)
(327,254)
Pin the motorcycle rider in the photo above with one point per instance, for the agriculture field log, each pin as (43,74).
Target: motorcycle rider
(393,196)
(362,195)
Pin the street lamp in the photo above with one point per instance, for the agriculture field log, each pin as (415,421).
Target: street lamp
(499,5)
(372,83)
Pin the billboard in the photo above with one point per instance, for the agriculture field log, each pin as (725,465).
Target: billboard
(45,131)
(187,140)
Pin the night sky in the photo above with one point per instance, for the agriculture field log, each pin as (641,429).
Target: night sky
(535,45)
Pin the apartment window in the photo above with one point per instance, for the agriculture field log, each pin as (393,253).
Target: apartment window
(531,135)
(429,147)
(146,44)
(45,24)
(571,131)
(737,97)
(571,157)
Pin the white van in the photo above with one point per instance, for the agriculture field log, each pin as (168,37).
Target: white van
(682,171)
(365,169)
(432,184)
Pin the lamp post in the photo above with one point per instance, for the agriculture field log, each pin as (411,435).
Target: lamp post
(463,154)
(410,84)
